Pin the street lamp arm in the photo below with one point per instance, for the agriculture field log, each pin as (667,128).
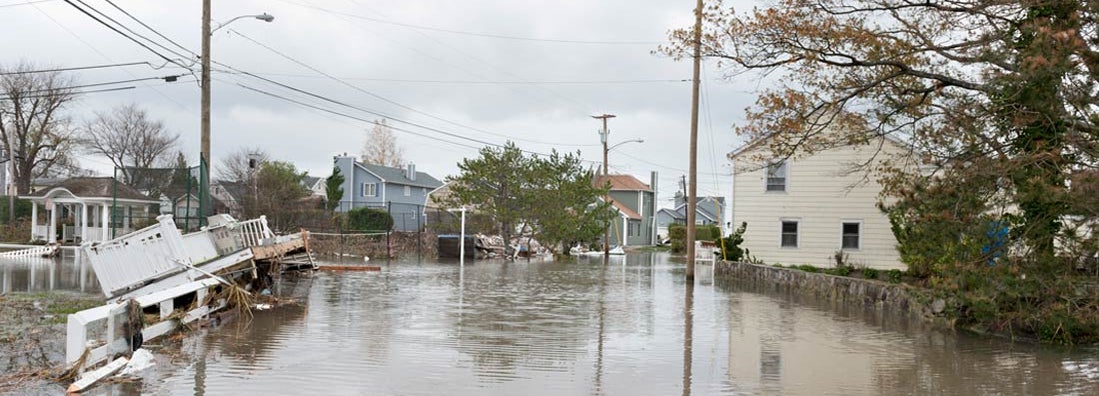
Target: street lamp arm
(263,17)
(628,141)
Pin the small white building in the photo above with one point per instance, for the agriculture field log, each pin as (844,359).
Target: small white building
(806,209)
(79,209)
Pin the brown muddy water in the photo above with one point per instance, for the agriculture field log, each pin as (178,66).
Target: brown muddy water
(579,328)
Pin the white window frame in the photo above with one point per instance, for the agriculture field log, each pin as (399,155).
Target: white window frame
(785,166)
(797,234)
(862,231)
(408,191)
(372,191)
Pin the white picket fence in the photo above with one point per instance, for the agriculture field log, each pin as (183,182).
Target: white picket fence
(38,251)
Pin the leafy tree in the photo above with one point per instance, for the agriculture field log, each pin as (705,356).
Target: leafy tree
(495,183)
(979,89)
(32,112)
(333,187)
(563,204)
(381,147)
(278,193)
(552,198)
(1000,103)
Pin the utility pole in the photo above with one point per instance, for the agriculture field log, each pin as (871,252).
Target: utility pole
(204,156)
(603,138)
(692,193)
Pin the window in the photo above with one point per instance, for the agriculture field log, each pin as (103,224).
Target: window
(776,176)
(789,234)
(635,228)
(850,235)
(370,189)
(408,191)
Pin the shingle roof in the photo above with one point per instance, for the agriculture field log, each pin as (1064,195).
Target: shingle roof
(622,183)
(397,175)
(625,210)
(310,181)
(95,187)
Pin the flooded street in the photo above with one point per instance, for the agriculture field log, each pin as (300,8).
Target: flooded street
(573,328)
(548,328)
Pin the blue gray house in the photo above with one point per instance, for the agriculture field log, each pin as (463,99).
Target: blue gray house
(402,192)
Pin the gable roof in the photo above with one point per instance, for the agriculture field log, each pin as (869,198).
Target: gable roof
(621,183)
(311,181)
(622,208)
(95,187)
(397,176)
(760,140)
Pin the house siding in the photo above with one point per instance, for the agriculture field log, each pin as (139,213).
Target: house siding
(821,193)
(407,211)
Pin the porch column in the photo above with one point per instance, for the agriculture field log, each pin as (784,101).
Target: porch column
(103,210)
(34,219)
(83,222)
(625,230)
(52,238)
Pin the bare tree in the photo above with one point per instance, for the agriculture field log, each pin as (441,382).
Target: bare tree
(240,165)
(381,147)
(129,138)
(32,115)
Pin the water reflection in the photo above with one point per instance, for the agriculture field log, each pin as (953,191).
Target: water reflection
(68,272)
(631,327)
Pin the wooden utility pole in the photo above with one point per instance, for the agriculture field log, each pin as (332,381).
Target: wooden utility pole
(204,156)
(692,192)
(606,179)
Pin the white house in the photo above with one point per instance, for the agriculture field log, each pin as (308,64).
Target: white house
(87,209)
(806,209)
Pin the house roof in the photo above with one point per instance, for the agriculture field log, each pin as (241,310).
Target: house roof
(758,141)
(622,208)
(310,182)
(621,183)
(234,190)
(398,176)
(95,187)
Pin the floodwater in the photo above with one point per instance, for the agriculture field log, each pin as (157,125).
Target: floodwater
(580,328)
(67,273)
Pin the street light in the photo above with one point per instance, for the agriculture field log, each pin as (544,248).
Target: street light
(204,157)
(263,17)
(628,141)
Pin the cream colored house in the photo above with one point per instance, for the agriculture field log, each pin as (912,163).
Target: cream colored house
(806,209)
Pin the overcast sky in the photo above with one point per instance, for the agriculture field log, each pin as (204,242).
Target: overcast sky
(529,71)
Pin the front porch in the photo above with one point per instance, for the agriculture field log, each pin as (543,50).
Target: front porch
(61,215)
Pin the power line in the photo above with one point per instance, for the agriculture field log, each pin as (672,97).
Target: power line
(23,3)
(165,78)
(465,33)
(150,28)
(109,26)
(101,54)
(75,92)
(387,100)
(341,114)
(474,82)
(61,69)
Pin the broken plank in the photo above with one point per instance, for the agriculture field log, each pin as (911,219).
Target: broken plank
(350,268)
(94,376)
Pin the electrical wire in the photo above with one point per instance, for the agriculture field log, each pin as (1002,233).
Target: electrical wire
(150,28)
(390,101)
(109,26)
(74,93)
(23,3)
(465,33)
(61,69)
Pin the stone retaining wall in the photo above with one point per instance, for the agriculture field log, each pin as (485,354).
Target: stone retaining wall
(886,297)
(404,245)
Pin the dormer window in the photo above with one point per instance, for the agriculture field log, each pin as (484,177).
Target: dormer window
(776,176)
